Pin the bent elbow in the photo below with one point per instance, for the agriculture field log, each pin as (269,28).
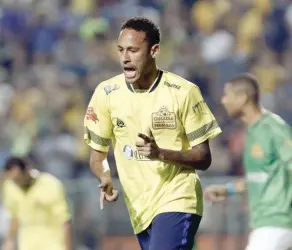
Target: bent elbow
(205,162)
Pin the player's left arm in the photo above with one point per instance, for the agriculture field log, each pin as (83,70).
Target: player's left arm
(200,126)
(61,212)
(282,139)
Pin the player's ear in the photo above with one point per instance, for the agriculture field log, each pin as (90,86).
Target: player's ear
(246,98)
(243,98)
(155,50)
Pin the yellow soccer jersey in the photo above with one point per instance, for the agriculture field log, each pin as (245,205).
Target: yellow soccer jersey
(178,117)
(41,213)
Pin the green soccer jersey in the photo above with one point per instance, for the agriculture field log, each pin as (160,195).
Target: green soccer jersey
(268,166)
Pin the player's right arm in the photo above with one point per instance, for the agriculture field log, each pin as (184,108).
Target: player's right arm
(99,166)
(217,193)
(11,206)
(12,232)
(200,126)
(98,133)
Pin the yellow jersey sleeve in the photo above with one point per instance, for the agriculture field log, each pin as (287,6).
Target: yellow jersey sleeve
(199,122)
(59,206)
(97,122)
(8,199)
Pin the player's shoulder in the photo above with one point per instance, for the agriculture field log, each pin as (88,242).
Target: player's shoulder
(177,82)
(9,186)
(111,85)
(49,180)
(10,190)
(272,121)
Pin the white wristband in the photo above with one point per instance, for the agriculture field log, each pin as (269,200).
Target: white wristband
(105,165)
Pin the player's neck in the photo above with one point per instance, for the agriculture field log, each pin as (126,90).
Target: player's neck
(251,115)
(32,176)
(148,79)
(28,184)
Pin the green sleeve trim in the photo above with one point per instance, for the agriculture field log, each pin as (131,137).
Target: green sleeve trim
(202,131)
(98,140)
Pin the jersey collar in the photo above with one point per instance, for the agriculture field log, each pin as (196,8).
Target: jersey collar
(153,86)
(265,113)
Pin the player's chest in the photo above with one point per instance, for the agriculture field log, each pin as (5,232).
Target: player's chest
(155,111)
(32,205)
(259,154)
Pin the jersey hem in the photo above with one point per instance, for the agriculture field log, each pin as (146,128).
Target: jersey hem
(272,225)
(270,222)
(146,225)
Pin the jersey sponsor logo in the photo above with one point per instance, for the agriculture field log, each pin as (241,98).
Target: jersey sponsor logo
(257,151)
(120,123)
(170,85)
(163,119)
(110,88)
(288,143)
(200,108)
(130,154)
(91,115)
(257,177)
(39,205)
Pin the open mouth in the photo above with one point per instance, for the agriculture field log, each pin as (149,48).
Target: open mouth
(129,72)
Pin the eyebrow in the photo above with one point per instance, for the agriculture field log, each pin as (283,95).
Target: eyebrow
(130,47)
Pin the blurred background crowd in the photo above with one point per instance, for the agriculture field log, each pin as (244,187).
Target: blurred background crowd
(53,54)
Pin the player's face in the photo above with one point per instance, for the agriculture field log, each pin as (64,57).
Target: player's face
(135,54)
(232,101)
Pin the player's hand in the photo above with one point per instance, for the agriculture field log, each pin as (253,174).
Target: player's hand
(215,193)
(8,245)
(148,147)
(107,192)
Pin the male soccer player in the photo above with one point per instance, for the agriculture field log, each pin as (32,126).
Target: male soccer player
(268,167)
(159,125)
(39,211)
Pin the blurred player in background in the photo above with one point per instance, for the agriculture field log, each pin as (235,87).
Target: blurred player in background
(40,216)
(160,126)
(268,167)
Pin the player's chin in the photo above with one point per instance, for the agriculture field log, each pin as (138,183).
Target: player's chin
(232,113)
(132,79)
(235,114)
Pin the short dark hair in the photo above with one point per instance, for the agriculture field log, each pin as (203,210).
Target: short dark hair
(13,161)
(145,25)
(248,84)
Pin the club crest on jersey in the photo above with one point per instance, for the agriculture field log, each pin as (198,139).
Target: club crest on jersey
(39,205)
(91,115)
(288,143)
(257,151)
(110,88)
(163,119)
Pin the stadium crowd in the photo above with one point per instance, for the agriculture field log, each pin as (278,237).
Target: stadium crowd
(53,53)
